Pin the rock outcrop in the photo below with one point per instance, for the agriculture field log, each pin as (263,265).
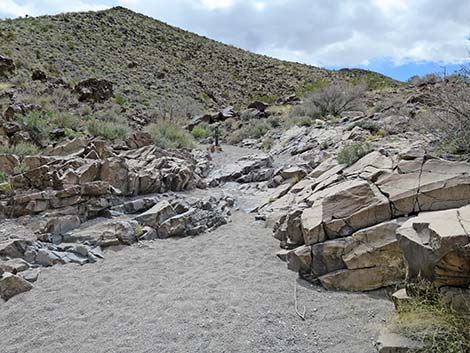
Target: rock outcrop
(6,66)
(94,90)
(436,246)
(248,169)
(340,222)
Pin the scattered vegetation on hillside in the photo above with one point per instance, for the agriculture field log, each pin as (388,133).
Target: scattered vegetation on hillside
(449,119)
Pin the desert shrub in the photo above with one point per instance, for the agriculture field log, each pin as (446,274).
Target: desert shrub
(264,98)
(3,177)
(307,109)
(427,319)
(425,79)
(274,122)
(120,100)
(259,129)
(201,131)
(21,149)
(168,135)
(374,81)
(110,130)
(449,119)
(36,124)
(310,87)
(254,130)
(352,153)
(367,124)
(64,120)
(333,100)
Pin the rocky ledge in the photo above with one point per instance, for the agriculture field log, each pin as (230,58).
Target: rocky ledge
(339,224)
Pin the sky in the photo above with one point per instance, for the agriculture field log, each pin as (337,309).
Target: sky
(399,38)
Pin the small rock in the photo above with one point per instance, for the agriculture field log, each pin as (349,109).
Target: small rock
(11,285)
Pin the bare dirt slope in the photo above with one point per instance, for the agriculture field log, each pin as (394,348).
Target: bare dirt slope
(223,291)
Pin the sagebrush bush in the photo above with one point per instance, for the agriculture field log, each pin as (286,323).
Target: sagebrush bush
(168,135)
(36,124)
(201,131)
(352,153)
(332,100)
(3,177)
(426,318)
(449,120)
(21,149)
(373,127)
(254,129)
(110,130)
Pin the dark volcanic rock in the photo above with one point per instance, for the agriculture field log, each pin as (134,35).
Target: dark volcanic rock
(94,90)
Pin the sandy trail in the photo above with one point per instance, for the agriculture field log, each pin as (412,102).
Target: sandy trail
(223,291)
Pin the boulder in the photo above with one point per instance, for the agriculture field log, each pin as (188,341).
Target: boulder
(296,173)
(158,214)
(13,248)
(11,285)
(104,234)
(39,75)
(7,66)
(8,163)
(258,105)
(367,260)
(139,139)
(427,185)
(300,259)
(436,246)
(457,298)
(62,225)
(94,90)
(13,266)
(363,279)
(342,209)
(47,258)
(247,169)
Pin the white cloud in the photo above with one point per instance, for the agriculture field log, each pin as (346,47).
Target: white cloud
(217,4)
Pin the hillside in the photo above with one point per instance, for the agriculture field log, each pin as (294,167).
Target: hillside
(153,66)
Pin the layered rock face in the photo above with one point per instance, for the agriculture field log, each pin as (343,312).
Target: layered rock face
(82,196)
(436,246)
(86,176)
(339,224)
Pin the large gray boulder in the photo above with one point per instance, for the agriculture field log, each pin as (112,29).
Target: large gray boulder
(436,246)
(342,209)
(105,234)
(158,214)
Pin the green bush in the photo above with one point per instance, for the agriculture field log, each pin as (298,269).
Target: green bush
(21,149)
(168,135)
(201,131)
(309,88)
(368,125)
(120,100)
(110,130)
(352,153)
(3,177)
(259,129)
(37,125)
(331,100)
(426,318)
(65,120)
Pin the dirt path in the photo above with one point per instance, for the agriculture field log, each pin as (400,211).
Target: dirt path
(223,291)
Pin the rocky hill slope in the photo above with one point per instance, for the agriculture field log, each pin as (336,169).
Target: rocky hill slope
(153,65)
